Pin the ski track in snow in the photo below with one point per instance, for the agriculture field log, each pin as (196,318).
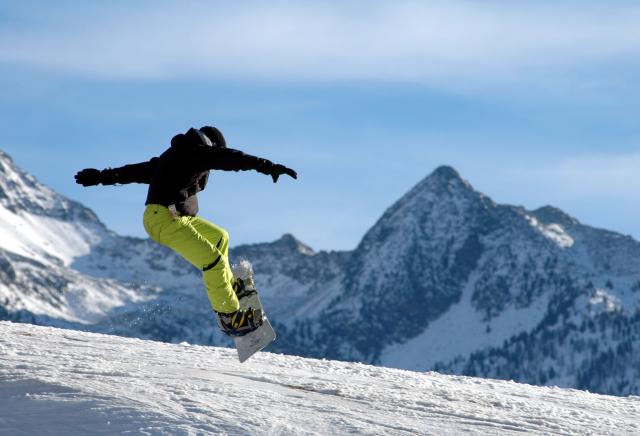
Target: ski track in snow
(58,382)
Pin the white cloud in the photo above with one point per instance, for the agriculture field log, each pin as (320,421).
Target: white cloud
(459,43)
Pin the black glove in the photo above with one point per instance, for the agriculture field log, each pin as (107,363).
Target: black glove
(88,177)
(276,170)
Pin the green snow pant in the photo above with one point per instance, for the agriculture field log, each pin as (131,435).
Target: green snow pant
(203,244)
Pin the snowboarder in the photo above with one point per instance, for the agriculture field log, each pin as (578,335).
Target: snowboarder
(170,217)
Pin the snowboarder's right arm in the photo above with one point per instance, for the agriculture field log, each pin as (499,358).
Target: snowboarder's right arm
(208,151)
(134,173)
(227,159)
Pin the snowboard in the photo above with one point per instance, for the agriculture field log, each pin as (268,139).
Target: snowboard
(254,341)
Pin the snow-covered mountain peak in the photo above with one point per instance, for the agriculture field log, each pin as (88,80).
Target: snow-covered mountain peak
(287,246)
(39,223)
(446,172)
(20,192)
(552,215)
(444,182)
(291,245)
(442,204)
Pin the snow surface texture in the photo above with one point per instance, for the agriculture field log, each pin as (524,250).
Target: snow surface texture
(62,382)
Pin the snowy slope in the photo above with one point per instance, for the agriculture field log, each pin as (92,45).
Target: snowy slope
(38,223)
(60,382)
(46,241)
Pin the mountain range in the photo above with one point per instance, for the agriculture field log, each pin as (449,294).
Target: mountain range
(445,280)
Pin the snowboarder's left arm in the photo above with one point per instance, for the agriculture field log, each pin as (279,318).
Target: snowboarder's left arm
(134,173)
(228,159)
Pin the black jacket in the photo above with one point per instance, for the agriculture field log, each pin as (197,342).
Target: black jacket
(178,174)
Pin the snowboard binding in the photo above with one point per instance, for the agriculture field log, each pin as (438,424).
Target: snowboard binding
(240,322)
(244,287)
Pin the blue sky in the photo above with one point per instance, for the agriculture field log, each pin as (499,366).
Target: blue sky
(534,103)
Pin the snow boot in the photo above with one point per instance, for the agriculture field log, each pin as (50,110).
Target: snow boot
(240,322)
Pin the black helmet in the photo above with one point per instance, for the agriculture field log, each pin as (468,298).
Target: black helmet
(207,136)
(214,135)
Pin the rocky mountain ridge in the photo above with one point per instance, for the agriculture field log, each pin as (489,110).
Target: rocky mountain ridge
(445,279)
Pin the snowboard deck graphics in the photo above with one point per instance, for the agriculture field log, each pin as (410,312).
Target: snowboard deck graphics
(256,340)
